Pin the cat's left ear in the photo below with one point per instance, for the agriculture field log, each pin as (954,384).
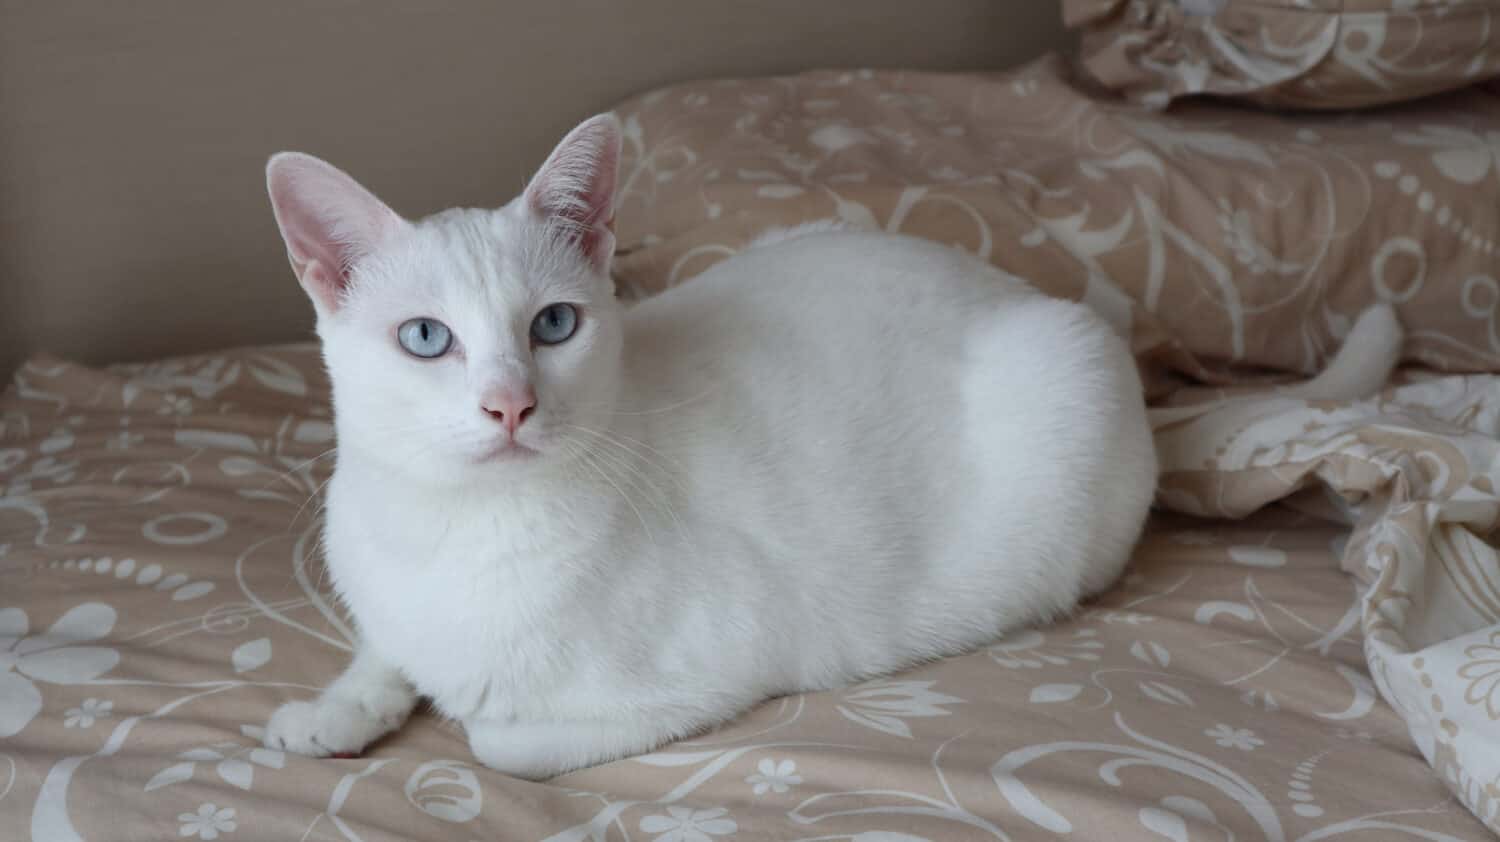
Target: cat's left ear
(575,190)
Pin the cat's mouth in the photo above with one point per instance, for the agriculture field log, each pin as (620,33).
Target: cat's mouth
(509,451)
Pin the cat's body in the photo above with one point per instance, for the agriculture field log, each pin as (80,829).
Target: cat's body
(827,458)
(831,458)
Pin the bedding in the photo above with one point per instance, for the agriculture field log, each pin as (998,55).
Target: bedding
(160,595)
(1316,54)
(1229,238)
(1306,645)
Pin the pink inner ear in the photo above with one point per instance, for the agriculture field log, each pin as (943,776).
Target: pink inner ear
(328,222)
(309,242)
(576,187)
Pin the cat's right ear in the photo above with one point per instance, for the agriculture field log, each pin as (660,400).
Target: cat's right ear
(328,221)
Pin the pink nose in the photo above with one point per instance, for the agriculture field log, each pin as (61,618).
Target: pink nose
(510,407)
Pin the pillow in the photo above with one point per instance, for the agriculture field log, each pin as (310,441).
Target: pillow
(1222,238)
(1287,53)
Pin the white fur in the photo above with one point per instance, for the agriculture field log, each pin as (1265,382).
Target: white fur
(1363,363)
(828,458)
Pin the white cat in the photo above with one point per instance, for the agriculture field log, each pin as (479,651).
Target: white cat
(584,530)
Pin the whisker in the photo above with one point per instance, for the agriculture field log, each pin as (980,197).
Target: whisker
(314,495)
(286,474)
(615,440)
(586,455)
(657,411)
(639,480)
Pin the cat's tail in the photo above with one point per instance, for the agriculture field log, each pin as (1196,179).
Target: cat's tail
(1358,370)
(1362,365)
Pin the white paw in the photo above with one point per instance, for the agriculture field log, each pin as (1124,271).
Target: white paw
(335,725)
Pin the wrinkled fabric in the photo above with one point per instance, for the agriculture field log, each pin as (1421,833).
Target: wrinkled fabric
(1308,623)
(161,595)
(1225,239)
(1312,54)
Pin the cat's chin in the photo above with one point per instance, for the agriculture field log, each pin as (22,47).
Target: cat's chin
(506,452)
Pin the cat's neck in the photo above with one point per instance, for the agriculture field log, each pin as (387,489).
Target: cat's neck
(559,507)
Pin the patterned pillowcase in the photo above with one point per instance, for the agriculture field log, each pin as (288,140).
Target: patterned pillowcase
(1287,53)
(1227,239)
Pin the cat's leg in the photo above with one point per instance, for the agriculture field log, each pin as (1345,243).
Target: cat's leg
(369,700)
(540,750)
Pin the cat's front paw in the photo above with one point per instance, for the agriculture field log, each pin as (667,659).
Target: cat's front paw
(333,726)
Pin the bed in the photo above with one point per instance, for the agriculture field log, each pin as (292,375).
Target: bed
(1306,644)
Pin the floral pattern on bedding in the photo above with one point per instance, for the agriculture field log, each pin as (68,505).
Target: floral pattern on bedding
(1226,238)
(160,595)
(1287,53)
(161,592)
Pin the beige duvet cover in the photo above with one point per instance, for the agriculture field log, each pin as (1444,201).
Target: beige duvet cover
(161,594)
(1230,237)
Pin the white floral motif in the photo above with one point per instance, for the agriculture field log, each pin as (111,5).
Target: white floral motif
(1461,154)
(10,457)
(204,377)
(882,704)
(774,777)
(210,821)
(1263,698)
(86,714)
(1229,737)
(447,790)
(1239,237)
(1030,650)
(123,440)
(234,763)
(1146,752)
(44,468)
(175,404)
(1131,618)
(49,657)
(682,824)
(1483,675)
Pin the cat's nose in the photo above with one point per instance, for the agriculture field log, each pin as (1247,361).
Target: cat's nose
(509,406)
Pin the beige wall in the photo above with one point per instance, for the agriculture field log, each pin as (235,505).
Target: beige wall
(133,221)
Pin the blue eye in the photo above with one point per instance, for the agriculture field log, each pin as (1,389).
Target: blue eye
(425,338)
(554,324)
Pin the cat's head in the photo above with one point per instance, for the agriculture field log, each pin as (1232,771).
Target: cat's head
(471,343)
